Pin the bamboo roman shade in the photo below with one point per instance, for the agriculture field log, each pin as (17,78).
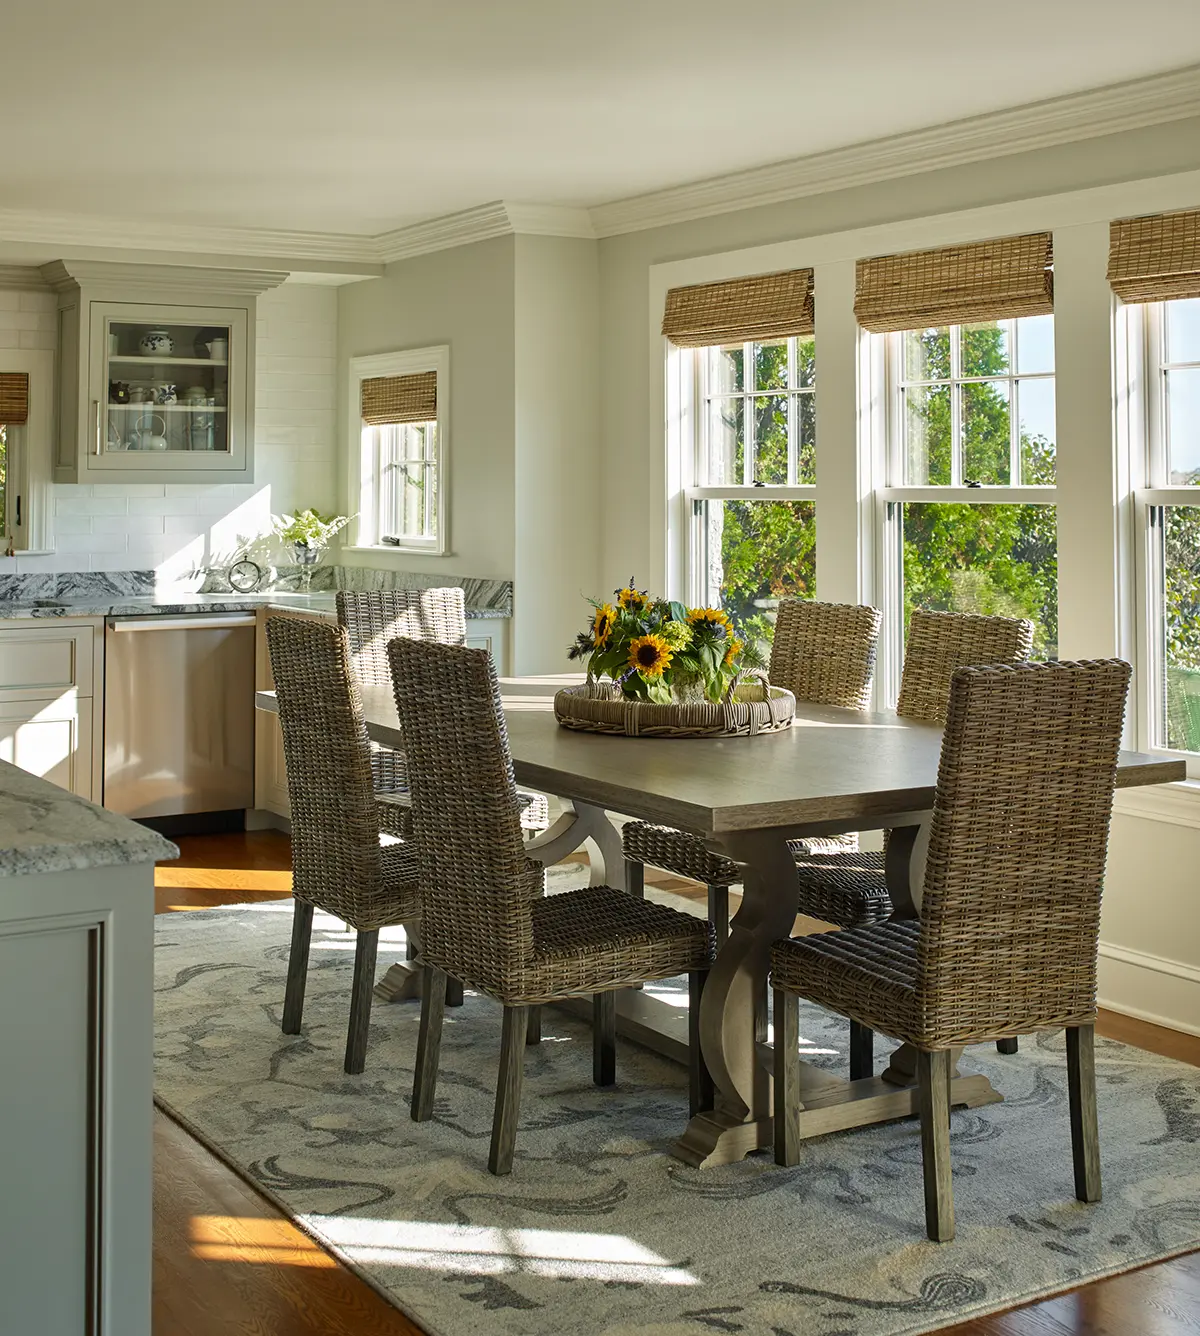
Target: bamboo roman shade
(388,399)
(1155,258)
(14,396)
(956,285)
(766,306)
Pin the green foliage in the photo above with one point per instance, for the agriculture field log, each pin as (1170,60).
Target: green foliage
(309,527)
(1181,599)
(3,478)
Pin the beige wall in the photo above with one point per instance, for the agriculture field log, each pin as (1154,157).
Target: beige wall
(463,298)
(557,447)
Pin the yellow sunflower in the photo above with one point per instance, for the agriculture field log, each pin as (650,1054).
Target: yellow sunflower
(715,618)
(732,650)
(649,655)
(633,599)
(602,624)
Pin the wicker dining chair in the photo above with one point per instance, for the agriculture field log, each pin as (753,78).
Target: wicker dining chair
(342,861)
(1010,911)
(823,653)
(850,889)
(486,921)
(374,617)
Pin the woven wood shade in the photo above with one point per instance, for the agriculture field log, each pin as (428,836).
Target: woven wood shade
(1155,258)
(388,399)
(14,396)
(767,306)
(989,280)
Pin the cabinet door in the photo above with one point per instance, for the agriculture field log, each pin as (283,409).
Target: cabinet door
(168,389)
(51,738)
(38,659)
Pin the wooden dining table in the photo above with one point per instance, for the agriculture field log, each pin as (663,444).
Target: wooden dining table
(832,771)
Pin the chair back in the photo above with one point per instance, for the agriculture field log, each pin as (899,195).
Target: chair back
(940,642)
(477,882)
(374,617)
(825,652)
(1010,909)
(335,829)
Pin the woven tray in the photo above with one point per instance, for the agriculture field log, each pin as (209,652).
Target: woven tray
(750,708)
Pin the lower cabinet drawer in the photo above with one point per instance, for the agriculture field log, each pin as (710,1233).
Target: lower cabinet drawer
(43,657)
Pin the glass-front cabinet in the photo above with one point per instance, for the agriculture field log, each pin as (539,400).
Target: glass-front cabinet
(158,388)
(168,382)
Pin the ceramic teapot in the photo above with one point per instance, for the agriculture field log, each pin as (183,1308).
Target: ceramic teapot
(145,437)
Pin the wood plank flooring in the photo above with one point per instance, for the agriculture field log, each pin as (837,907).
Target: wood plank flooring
(225,1260)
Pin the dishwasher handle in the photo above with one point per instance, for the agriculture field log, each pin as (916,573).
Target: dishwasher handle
(201,622)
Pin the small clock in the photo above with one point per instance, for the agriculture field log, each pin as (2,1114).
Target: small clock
(245,575)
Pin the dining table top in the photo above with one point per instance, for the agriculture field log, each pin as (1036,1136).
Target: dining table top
(833,768)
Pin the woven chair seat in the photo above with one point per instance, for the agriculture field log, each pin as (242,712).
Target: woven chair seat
(844,888)
(598,938)
(868,974)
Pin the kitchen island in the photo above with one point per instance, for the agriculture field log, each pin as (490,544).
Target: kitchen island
(76,1057)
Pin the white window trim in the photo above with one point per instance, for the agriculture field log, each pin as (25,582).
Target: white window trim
(31,458)
(360,468)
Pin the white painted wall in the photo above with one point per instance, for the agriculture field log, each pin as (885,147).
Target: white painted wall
(557,447)
(173,527)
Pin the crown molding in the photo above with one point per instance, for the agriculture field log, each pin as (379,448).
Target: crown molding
(498,219)
(550,220)
(63,275)
(1134,105)
(22,278)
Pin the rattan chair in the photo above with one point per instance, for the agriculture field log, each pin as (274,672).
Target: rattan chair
(823,653)
(342,861)
(485,919)
(1010,911)
(374,617)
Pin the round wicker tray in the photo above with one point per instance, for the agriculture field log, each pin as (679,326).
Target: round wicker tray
(751,708)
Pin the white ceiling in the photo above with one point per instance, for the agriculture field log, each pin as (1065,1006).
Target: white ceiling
(365,115)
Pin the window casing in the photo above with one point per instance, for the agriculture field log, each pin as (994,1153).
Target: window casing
(967,515)
(751,493)
(398,470)
(1167,335)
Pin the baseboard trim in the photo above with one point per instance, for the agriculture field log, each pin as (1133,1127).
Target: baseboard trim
(1150,988)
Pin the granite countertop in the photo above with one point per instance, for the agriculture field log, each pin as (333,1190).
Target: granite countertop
(168,602)
(46,829)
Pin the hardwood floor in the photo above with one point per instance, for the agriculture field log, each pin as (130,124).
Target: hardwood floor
(225,1260)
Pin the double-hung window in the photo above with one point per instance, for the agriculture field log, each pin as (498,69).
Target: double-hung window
(968,509)
(751,480)
(398,419)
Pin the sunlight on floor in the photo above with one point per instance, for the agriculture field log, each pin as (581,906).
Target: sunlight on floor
(479,1249)
(226,1238)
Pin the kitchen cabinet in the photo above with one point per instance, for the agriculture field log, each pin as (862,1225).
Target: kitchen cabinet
(156,372)
(50,675)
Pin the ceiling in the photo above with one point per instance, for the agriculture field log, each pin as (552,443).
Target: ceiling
(362,116)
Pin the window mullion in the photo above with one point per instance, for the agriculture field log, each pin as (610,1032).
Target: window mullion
(749,433)
(956,436)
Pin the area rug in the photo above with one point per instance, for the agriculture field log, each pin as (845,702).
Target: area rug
(598,1231)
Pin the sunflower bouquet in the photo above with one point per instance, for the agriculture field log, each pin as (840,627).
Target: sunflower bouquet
(663,651)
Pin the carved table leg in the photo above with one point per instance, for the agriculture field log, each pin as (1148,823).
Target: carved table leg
(740,1120)
(571,830)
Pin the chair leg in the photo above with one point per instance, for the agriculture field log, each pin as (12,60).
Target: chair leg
(604,1038)
(533,1027)
(297,971)
(933,1092)
(700,1083)
(862,1051)
(429,1043)
(360,1001)
(718,913)
(454,992)
(508,1090)
(1007,1046)
(635,878)
(787,1077)
(1085,1130)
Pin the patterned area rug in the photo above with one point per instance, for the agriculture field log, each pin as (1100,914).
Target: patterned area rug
(598,1232)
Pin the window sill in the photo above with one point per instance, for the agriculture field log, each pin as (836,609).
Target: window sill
(1176,804)
(392,549)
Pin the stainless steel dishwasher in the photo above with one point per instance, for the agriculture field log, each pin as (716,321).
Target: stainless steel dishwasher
(179,714)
